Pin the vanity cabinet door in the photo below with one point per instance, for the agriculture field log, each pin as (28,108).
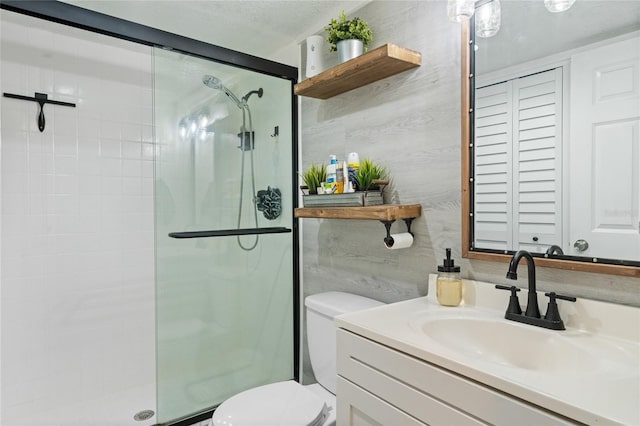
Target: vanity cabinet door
(366,364)
(425,391)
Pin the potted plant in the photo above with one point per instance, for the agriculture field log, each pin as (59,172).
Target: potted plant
(350,37)
(370,175)
(313,176)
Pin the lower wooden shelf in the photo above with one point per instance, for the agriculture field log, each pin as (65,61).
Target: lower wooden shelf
(385,212)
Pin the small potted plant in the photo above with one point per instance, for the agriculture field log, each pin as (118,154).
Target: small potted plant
(371,175)
(314,176)
(350,37)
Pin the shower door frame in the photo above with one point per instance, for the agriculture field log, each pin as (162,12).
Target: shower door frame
(77,17)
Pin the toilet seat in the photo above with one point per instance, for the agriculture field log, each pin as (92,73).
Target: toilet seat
(277,404)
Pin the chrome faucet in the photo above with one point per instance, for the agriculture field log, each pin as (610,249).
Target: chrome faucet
(531,316)
(532,297)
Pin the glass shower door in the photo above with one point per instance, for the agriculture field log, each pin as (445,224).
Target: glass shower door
(224,301)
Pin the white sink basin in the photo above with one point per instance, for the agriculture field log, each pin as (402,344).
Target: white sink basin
(488,338)
(589,372)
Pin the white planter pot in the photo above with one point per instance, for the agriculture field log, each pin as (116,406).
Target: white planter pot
(349,49)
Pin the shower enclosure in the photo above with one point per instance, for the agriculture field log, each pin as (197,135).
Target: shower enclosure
(148,247)
(224,253)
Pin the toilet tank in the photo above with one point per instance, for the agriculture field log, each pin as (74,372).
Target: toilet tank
(322,308)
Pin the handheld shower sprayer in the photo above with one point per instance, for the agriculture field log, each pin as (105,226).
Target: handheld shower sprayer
(247,144)
(215,83)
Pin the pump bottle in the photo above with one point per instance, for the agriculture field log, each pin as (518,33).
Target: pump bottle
(449,283)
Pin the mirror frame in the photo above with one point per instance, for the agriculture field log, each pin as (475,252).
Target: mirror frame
(467,87)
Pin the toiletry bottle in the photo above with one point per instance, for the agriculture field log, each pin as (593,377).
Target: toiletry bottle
(345,177)
(332,172)
(353,163)
(449,284)
(340,171)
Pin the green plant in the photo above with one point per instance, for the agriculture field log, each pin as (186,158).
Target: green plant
(313,176)
(347,29)
(368,173)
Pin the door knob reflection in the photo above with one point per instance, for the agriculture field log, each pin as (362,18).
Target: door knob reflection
(581,245)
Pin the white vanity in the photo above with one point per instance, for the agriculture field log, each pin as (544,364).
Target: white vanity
(416,362)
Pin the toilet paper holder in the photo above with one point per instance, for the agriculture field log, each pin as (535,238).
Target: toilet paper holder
(388,240)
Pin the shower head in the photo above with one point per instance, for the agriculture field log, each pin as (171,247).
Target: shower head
(215,83)
(212,82)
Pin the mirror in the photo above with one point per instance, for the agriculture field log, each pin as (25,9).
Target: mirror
(551,136)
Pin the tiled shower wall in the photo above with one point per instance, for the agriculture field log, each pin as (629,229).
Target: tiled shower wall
(77,277)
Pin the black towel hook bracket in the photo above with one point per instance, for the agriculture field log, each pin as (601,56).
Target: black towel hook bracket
(41,99)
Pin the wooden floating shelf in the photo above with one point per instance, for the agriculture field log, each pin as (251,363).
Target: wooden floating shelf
(385,212)
(374,65)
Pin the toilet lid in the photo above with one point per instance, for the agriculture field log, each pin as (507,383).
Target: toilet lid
(277,404)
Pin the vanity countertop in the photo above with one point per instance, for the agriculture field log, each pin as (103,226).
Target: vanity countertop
(589,372)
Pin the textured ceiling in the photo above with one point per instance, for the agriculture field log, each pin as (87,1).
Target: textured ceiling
(257,27)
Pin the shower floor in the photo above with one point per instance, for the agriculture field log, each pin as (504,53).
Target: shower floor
(115,410)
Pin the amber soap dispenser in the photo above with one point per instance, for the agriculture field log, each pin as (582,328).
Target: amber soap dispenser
(449,283)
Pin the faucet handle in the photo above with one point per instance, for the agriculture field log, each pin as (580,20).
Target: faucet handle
(512,288)
(552,309)
(553,295)
(514,303)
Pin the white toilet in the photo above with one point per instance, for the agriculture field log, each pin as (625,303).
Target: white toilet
(289,403)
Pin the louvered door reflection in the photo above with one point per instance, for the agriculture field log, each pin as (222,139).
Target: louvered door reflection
(518,159)
(493,167)
(537,165)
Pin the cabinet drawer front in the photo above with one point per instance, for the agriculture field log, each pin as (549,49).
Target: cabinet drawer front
(394,390)
(428,392)
(357,407)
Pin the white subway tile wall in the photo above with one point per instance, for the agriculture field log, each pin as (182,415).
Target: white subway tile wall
(77,228)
